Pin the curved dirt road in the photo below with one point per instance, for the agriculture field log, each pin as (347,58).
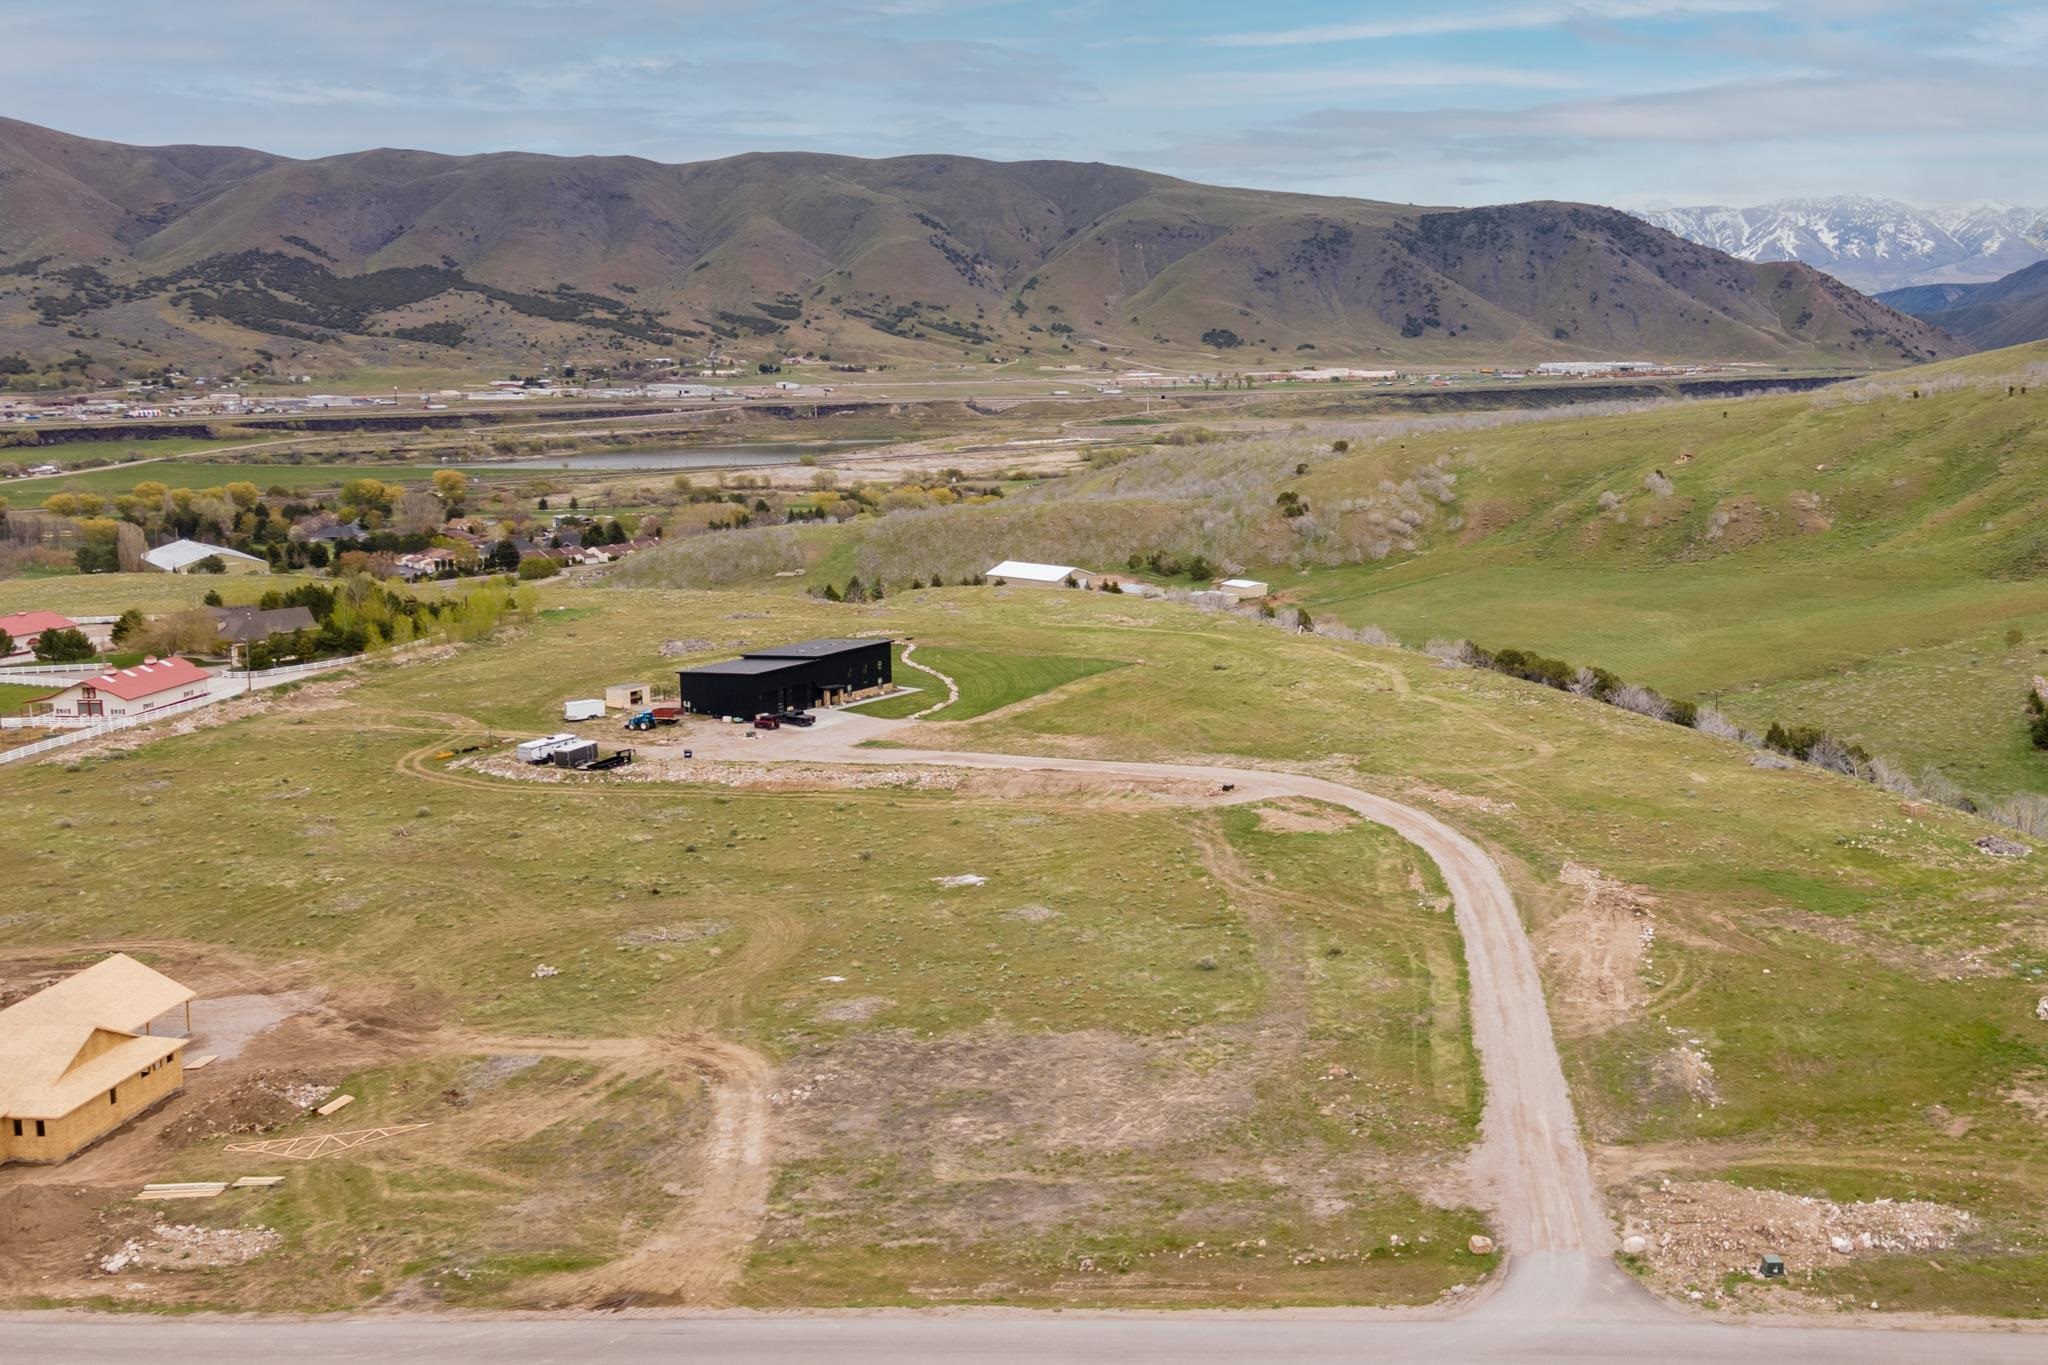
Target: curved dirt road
(1559,1242)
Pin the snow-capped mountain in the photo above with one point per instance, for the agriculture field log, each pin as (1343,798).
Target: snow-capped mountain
(1872,244)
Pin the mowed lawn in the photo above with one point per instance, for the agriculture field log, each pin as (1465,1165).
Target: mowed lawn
(988,680)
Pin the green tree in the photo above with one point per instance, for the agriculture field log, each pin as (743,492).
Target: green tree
(211,564)
(212,598)
(504,555)
(6,644)
(67,646)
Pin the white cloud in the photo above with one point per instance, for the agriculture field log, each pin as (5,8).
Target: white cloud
(1509,19)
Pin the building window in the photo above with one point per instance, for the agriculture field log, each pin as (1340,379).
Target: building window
(17,1127)
(39,1128)
(112,1098)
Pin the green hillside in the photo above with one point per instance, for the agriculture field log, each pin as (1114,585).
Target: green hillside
(1831,559)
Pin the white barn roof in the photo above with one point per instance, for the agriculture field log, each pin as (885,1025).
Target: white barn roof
(182,554)
(1027,572)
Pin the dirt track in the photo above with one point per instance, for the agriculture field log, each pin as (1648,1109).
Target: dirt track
(1529,1160)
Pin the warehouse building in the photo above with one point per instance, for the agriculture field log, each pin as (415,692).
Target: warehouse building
(789,678)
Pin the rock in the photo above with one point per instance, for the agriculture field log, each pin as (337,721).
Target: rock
(1635,1245)
(2041,1009)
(543,972)
(1764,758)
(1841,1244)
(1480,1245)
(1997,846)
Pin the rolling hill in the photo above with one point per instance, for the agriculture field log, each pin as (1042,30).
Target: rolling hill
(140,256)
(2007,312)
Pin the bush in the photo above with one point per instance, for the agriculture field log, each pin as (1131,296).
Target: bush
(538,566)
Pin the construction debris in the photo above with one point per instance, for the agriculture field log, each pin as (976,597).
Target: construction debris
(313,1147)
(338,1102)
(186,1189)
(176,1246)
(197,1063)
(963,879)
(257,1182)
(1695,1232)
(543,972)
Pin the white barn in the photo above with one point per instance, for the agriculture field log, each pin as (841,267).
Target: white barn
(181,555)
(1025,574)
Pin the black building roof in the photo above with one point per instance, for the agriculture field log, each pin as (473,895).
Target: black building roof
(815,649)
(746,666)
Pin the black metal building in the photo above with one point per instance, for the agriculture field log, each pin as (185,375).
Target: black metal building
(787,677)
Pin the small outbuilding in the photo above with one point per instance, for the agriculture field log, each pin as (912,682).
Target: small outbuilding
(77,1059)
(1023,573)
(627,696)
(792,677)
(1243,589)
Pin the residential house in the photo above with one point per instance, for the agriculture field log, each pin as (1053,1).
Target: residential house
(78,1060)
(26,627)
(241,627)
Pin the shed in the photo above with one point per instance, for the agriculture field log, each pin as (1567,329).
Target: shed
(1243,589)
(77,1059)
(628,696)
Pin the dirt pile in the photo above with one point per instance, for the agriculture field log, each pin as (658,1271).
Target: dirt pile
(1698,1231)
(258,1104)
(1593,954)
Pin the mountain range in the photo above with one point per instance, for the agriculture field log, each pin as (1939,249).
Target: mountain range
(2004,312)
(118,258)
(1871,244)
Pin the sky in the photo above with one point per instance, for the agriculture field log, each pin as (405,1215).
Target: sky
(1638,103)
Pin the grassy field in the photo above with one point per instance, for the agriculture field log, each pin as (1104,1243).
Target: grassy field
(987,681)
(1135,1047)
(1836,997)
(177,473)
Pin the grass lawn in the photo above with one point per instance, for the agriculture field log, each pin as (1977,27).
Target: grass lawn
(14,696)
(987,680)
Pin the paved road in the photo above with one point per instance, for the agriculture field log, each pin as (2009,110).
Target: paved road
(1134,1339)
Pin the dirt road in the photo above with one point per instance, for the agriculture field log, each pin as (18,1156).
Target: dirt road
(1529,1160)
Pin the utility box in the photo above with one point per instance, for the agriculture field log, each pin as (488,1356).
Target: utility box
(1772,1268)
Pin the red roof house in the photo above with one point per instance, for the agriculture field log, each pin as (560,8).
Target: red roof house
(25,627)
(149,686)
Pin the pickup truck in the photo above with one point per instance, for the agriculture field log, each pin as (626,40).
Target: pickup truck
(801,719)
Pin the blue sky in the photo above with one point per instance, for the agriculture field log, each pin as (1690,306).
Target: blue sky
(1631,102)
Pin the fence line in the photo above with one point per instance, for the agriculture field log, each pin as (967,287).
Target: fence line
(236,685)
(43,746)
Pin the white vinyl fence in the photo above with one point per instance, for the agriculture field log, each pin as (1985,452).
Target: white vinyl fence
(224,685)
